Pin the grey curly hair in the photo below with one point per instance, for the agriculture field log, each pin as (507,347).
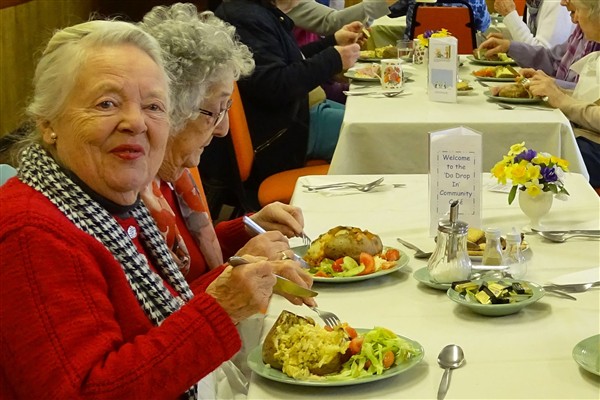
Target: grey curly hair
(592,7)
(199,50)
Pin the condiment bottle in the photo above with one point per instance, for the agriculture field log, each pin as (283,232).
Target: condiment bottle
(492,253)
(513,257)
(450,261)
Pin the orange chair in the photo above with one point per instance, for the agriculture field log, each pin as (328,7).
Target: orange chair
(277,187)
(458,20)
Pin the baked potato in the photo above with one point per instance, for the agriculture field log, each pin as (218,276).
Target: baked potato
(343,241)
(514,91)
(299,348)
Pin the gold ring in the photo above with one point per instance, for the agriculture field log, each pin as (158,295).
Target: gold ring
(284,256)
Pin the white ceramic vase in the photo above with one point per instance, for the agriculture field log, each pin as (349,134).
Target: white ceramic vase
(535,207)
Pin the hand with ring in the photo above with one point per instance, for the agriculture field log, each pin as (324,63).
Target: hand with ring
(269,245)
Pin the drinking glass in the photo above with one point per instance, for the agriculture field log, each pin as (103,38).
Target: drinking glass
(405,49)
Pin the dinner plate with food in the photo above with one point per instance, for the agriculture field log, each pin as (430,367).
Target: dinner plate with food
(338,356)
(378,54)
(463,88)
(498,73)
(479,57)
(364,72)
(515,93)
(348,254)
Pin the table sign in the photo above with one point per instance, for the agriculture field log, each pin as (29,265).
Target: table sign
(455,174)
(443,66)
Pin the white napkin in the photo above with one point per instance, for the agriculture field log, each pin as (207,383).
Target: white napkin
(588,275)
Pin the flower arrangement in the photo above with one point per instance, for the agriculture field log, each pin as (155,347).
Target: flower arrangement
(424,37)
(531,171)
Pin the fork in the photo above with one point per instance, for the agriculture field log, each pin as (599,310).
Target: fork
(305,239)
(346,185)
(330,319)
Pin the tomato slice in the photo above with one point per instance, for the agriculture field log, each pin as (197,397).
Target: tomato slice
(356,345)
(369,262)
(392,255)
(388,359)
(337,265)
(322,274)
(351,332)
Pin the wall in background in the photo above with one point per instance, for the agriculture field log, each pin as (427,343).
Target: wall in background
(25,29)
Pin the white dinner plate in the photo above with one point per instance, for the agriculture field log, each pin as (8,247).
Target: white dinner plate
(494,79)
(587,354)
(352,75)
(518,100)
(465,92)
(257,365)
(401,263)
(489,62)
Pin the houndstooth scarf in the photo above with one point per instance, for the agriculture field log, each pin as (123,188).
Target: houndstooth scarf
(42,173)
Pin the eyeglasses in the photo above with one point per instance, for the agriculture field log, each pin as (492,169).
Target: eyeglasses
(217,116)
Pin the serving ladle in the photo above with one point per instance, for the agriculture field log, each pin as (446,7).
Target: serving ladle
(450,357)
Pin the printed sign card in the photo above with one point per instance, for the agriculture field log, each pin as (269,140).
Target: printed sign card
(455,174)
(443,67)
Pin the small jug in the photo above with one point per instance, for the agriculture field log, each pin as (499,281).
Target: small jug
(450,260)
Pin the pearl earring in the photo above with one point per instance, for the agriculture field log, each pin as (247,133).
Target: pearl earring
(53,137)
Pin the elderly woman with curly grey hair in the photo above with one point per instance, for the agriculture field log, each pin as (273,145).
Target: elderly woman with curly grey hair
(204,59)
(93,305)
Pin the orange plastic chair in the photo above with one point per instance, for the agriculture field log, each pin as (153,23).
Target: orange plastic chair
(277,187)
(458,20)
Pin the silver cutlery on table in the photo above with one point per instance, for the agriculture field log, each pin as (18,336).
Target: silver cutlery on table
(284,285)
(259,230)
(511,107)
(363,187)
(572,287)
(561,237)
(418,252)
(388,93)
(451,357)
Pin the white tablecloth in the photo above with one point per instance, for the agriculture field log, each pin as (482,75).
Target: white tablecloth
(382,135)
(521,356)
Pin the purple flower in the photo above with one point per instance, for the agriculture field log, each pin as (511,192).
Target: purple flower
(427,34)
(525,155)
(549,174)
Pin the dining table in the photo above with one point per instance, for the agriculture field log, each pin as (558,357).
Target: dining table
(390,135)
(525,355)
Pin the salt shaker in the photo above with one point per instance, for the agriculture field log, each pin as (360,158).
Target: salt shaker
(492,253)
(513,257)
(450,261)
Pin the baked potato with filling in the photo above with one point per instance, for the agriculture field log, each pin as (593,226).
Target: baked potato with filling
(515,91)
(299,348)
(343,241)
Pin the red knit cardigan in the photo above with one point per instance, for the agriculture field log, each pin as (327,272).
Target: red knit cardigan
(71,327)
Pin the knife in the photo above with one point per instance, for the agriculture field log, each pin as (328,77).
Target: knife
(259,230)
(283,285)
(580,231)
(522,80)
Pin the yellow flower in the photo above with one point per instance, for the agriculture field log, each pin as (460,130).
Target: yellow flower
(533,188)
(541,159)
(564,164)
(518,173)
(499,171)
(533,172)
(517,149)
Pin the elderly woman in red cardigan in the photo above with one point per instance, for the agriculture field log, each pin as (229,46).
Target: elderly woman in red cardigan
(93,305)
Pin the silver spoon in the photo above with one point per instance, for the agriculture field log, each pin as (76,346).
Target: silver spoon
(450,357)
(509,107)
(419,253)
(561,237)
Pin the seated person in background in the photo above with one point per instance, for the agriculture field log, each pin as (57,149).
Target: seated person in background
(323,20)
(548,22)
(93,305)
(582,106)
(481,15)
(204,59)
(276,96)
(555,62)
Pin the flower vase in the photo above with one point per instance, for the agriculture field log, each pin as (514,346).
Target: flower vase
(535,208)
(419,54)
